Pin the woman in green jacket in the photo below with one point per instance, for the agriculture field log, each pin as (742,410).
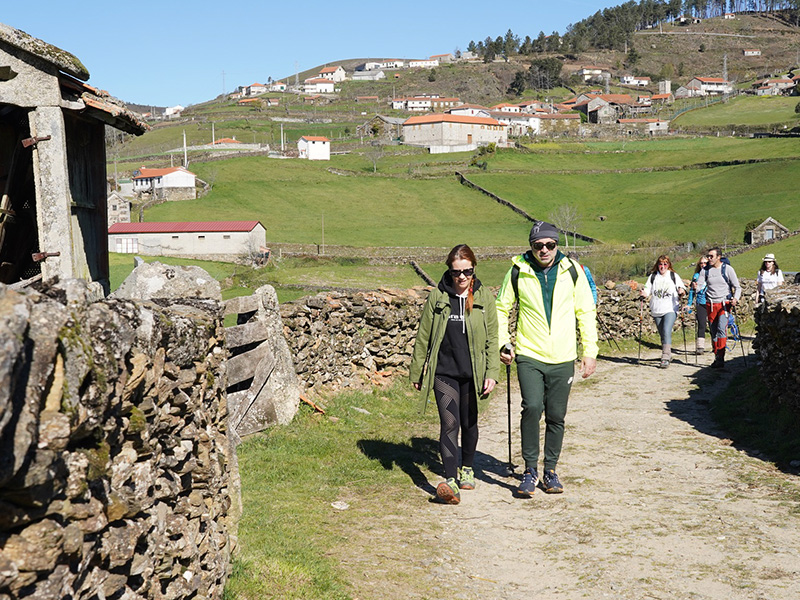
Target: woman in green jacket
(456,354)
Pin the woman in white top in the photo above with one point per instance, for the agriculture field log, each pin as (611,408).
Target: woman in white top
(664,287)
(769,276)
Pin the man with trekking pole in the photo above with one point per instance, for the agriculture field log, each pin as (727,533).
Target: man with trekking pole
(554,300)
(722,290)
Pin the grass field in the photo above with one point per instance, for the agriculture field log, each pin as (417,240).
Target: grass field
(744,111)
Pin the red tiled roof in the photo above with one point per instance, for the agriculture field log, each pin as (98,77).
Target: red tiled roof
(145,173)
(183,227)
(314,138)
(448,118)
(560,116)
(317,80)
(660,96)
(227,141)
(328,70)
(711,79)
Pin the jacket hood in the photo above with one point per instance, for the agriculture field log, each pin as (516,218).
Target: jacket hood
(446,284)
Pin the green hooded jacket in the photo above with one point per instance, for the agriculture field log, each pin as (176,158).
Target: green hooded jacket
(482,335)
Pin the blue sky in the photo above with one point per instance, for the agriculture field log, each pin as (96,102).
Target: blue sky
(160,54)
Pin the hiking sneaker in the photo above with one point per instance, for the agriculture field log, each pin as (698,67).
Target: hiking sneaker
(530,478)
(551,483)
(466,478)
(664,364)
(447,491)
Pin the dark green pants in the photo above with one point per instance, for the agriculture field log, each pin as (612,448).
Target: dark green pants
(545,388)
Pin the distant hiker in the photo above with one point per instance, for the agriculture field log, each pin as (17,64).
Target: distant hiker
(697,299)
(554,296)
(769,276)
(456,353)
(589,278)
(722,290)
(665,288)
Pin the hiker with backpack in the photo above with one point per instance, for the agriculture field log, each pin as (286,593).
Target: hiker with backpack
(697,299)
(722,291)
(554,300)
(456,355)
(664,288)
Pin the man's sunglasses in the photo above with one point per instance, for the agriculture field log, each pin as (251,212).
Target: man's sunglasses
(539,245)
(456,273)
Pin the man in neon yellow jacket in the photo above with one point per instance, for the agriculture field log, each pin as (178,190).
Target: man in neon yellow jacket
(554,301)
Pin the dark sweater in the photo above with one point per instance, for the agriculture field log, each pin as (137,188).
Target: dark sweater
(454,360)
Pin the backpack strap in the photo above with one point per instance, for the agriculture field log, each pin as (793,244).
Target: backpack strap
(573,271)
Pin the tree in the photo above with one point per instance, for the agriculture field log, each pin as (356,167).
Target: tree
(374,153)
(432,75)
(545,73)
(471,47)
(633,56)
(519,84)
(566,218)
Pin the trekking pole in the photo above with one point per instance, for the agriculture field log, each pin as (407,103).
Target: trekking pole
(608,333)
(510,466)
(683,327)
(741,337)
(641,318)
(696,336)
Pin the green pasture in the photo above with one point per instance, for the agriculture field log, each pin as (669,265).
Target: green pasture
(293,198)
(743,111)
(699,205)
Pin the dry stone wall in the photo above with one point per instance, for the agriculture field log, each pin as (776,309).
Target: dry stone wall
(778,346)
(117,479)
(346,339)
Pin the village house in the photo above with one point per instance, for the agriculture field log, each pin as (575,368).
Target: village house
(423,64)
(335,74)
(634,80)
(443,58)
(729,15)
(119,209)
(173,112)
(469,110)
(371,75)
(606,108)
(442,132)
(506,107)
(774,87)
(172,183)
(751,52)
(518,123)
(255,89)
(210,239)
(592,73)
(317,85)
(314,147)
(641,126)
(53,164)
(277,86)
(704,86)
(768,229)
(667,98)
(382,128)
(556,124)
(390,64)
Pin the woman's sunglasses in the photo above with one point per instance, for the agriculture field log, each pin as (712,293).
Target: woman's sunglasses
(539,245)
(456,273)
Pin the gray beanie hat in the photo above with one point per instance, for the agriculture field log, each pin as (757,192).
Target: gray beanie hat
(543,230)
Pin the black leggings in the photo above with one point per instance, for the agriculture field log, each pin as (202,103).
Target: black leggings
(702,319)
(458,408)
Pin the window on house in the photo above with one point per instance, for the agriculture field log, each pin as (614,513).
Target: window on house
(201,237)
(769,233)
(226,237)
(175,237)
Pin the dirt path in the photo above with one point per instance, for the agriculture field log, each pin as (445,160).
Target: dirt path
(658,504)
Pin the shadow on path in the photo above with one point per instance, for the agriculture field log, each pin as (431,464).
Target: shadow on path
(420,452)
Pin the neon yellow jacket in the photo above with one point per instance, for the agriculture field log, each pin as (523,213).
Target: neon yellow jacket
(553,342)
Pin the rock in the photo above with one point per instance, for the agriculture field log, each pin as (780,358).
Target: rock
(157,280)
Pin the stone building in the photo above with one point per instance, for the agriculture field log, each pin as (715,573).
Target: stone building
(53,217)
(768,229)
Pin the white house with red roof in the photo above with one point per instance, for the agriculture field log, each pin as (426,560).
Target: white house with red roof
(314,147)
(172,183)
(207,239)
(469,110)
(277,86)
(255,89)
(318,85)
(774,86)
(335,74)
(426,63)
(591,72)
(443,132)
(635,80)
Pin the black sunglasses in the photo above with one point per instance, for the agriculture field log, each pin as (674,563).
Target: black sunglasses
(540,245)
(456,273)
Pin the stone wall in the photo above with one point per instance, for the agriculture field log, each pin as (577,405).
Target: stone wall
(117,479)
(346,339)
(778,346)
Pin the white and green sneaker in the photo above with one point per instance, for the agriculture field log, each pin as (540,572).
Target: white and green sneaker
(447,491)
(466,478)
